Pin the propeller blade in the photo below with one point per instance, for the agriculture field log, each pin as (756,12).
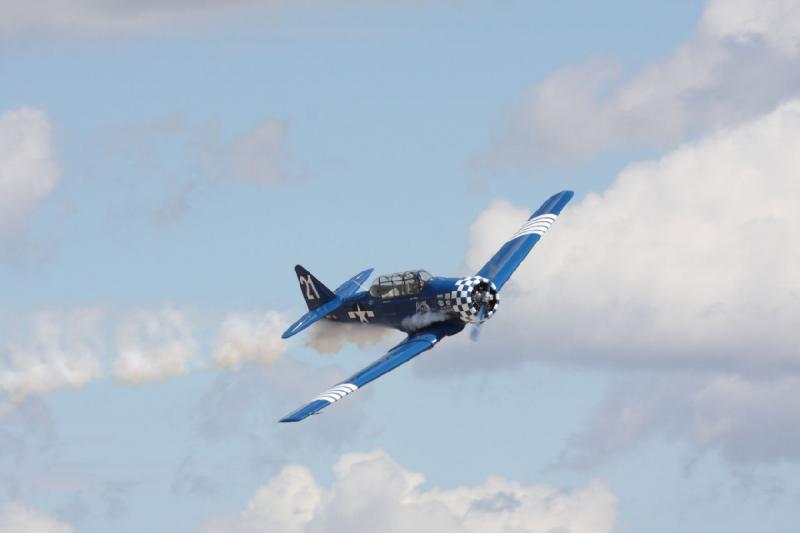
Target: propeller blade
(476,329)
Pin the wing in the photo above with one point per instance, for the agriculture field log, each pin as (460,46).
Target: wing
(516,249)
(405,351)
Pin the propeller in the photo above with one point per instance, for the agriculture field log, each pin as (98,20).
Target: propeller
(483,297)
(476,329)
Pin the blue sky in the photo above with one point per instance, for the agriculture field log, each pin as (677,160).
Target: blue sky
(164,167)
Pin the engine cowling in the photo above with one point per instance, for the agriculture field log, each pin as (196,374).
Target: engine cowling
(471,294)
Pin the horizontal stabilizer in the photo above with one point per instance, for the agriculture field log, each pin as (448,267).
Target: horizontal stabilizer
(350,286)
(313,316)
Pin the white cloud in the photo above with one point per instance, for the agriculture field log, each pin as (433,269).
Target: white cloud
(252,336)
(18,518)
(153,345)
(748,420)
(743,59)
(61,350)
(28,167)
(747,20)
(371,492)
(686,260)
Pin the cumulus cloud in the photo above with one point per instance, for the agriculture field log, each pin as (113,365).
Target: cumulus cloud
(742,60)
(254,336)
(747,420)
(330,337)
(153,345)
(371,492)
(28,167)
(61,350)
(16,517)
(689,260)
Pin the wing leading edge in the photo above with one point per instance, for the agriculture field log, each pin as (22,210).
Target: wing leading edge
(405,351)
(516,249)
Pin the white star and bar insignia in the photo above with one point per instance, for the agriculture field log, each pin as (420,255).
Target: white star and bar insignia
(360,314)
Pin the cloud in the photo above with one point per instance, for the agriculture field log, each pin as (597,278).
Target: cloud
(254,336)
(242,409)
(180,160)
(330,337)
(259,155)
(16,517)
(371,492)
(61,350)
(746,420)
(153,345)
(109,17)
(742,60)
(27,432)
(28,168)
(685,261)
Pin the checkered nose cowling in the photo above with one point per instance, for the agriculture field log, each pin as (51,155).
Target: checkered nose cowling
(470,294)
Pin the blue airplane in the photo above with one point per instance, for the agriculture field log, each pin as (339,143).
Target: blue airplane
(425,307)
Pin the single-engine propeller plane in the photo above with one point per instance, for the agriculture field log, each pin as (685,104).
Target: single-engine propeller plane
(425,307)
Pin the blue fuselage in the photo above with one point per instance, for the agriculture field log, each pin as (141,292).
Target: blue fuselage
(433,303)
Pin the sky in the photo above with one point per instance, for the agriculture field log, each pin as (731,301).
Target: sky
(164,165)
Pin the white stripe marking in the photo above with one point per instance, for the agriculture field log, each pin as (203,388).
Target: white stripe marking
(336,393)
(538,226)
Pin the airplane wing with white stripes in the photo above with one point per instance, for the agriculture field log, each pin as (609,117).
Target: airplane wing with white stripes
(516,249)
(414,345)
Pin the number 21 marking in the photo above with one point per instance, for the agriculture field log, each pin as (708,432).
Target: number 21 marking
(308,283)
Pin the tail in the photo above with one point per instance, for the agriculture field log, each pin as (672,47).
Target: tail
(320,299)
(314,292)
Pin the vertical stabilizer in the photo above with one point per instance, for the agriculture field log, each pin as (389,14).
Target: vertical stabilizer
(314,292)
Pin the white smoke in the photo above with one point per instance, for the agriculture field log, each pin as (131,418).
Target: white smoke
(153,345)
(254,336)
(422,320)
(61,350)
(16,517)
(330,337)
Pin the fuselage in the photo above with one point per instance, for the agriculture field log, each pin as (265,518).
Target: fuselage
(434,302)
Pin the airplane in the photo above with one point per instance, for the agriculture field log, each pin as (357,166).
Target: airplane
(425,307)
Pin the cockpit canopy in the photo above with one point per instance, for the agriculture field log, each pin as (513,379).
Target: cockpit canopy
(400,284)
